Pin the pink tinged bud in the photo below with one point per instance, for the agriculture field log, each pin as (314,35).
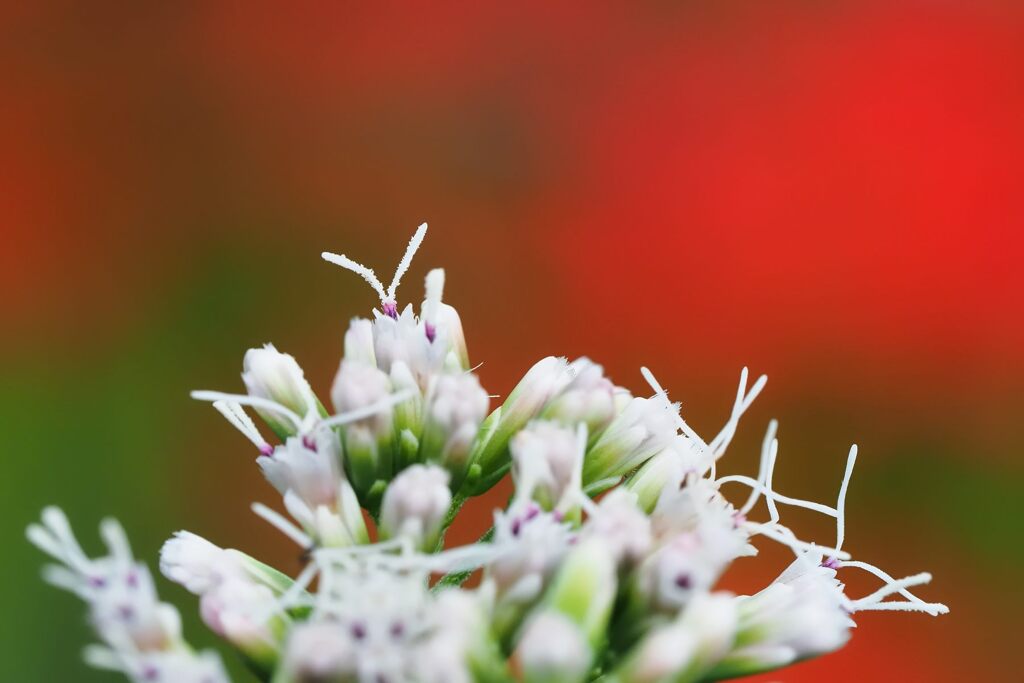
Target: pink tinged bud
(456,406)
(320,651)
(308,466)
(357,386)
(415,505)
(544,458)
(533,544)
(553,650)
(623,526)
(589,398)
(239,611)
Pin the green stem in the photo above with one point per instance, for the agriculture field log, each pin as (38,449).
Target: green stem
(456,579)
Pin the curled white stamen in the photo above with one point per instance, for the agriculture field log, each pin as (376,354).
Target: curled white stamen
(657,388)
(403,265)
(744,399)
(762,468)
(359,269)
(785,536)
(894,587)
(769,494)
(388,296)
(931,608)
(240,420)
(245,400)
(758,487)
(851,460)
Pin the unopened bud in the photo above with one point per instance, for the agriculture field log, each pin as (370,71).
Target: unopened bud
(275,376)
(588,398)
(367,442)
(540,384)
(415,505)
(457,404)
(645,427)
(553,650)
(544,460)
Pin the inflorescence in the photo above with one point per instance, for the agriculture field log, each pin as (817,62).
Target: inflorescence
(602,567)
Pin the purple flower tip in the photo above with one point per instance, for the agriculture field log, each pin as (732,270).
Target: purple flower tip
(431,332)
(831,563)
(390,309)
(266,449)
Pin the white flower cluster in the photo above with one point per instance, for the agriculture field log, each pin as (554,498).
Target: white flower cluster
(603,566)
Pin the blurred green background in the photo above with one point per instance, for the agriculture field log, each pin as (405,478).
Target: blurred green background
(826,192)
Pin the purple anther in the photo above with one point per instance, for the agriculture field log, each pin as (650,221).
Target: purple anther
(531,511)
(97,582)
(358,630)
(390,309)
(397,629)
(683,581)
(132,579)
(126,612)
(431,332)
(266,449)
(831,563)
(150,673)
(738,520)
(517,525)
(309,443)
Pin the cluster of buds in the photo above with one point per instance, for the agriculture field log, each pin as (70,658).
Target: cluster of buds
(604,565)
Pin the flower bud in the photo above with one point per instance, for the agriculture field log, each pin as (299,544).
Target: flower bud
(666,469)
(368,443)
(553,650)
(527,400)
(308,466)
(803,613)
(415,506)
(359,342)
(402,339)
(442,326)
(319,651)
(358,386)
(197,564)
(275,376)
(622,526)
(457,404)
(645,427)
(544,459)
(233,604)
(588,398)
(686,648)
(584,588)
(243,613)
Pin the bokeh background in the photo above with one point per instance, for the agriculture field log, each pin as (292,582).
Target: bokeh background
(828,192)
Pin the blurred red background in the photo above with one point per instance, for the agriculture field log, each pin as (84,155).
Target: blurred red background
(826,192)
